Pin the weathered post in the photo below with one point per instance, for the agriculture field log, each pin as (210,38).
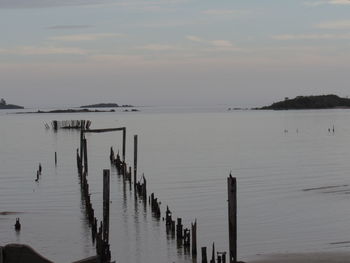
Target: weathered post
(213,254)
(111,155)
(55,125)
(232,218)
(179,229)
(204,255)
(106,191)
(124,143)
(56,158)
(105,257)
(194,238)
(81,147)
(1,255)
(135,160)
(85,157)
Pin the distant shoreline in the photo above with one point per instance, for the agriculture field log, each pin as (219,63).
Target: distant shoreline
(10,107)
(106,105)
(330,101)
(65,111)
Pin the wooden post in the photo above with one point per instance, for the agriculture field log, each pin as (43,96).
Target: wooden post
(194,238)
(81,147)
(135,160)
(106,191)
(124,143)
(221,257)
(213,254)
(204,255)
(179,229)
(55,158)
(85,157)
(232,218)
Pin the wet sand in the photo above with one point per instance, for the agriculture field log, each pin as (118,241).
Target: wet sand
(331,257)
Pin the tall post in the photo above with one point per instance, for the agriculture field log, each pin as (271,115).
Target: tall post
(106,190)
(194,238)
(232,217)
(55,158)
(85,157)
(81,147)
(124,143)
(135,159)
(213,254)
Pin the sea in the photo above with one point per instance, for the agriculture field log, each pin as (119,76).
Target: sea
(292,169)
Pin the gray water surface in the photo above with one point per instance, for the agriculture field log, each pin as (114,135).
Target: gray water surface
(293,185)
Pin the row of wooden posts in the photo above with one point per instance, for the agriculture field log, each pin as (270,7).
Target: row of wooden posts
(100,232)
(70,124)
(183,235)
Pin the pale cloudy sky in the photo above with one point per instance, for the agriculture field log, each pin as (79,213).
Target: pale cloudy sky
(178,52)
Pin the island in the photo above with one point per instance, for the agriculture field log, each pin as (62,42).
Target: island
(105,105)
(329,101)
(66,111)
(5,106)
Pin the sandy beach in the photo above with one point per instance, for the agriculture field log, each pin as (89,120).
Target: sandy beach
(319,257)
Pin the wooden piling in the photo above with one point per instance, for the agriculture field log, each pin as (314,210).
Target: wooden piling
(56,158)
(194,238)
(204,255)
(232,217)
(111,155)
(106,197)
(85,156)
(179,229)
(187,238)
(81,148)
(135,159)
(213,254)
(124,143)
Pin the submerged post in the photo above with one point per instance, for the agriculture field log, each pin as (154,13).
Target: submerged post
(106,194)
(85,156)
(194,238)
(232,218)
(204,255)
(81,147)
(55,158)
(135,159)
(213,254)
(124,143)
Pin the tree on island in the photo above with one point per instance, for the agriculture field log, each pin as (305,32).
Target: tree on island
(2,102)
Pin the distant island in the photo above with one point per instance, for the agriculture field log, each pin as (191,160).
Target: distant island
(330,101)
(5,106)
(105,105)
(66,111)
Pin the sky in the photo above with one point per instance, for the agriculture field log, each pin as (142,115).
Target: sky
(242,53)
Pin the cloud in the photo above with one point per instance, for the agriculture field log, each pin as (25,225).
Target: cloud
(340,24)
(328,2)
(84,37)
(49,50)
(311,36)
(158,47)
(224,12)
(221,43)
(58,27)
(194,38)
(214,45)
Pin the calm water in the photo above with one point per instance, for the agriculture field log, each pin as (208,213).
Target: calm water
(186,155)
